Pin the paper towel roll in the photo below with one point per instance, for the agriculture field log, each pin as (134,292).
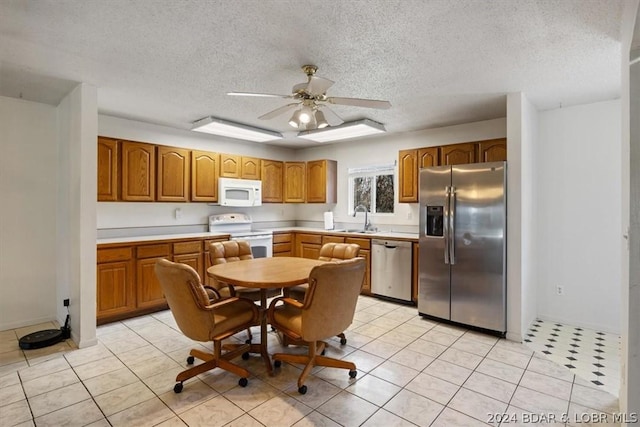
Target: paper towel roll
(328,220)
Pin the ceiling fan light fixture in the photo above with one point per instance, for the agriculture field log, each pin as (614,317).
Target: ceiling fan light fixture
(321,121)
(230,129)
(347,130)
(305,115)
(294,121)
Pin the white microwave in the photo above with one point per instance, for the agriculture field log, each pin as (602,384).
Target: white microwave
(239,192)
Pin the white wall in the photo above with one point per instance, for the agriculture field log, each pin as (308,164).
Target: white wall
(28,189)
(578,202)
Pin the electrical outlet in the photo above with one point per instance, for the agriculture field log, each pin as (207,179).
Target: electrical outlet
(409,215)
(178,213)
(559,290)
(65,302)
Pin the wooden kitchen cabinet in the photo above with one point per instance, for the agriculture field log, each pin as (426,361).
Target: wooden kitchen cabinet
(428,157)
(272,172)
(365,252)
(308,245)
(108,169)
(138,171)
(189,253)
(294,182)
(115,285)
(230,166)
(205,168)
(149,292)
(328,238)
(322,181)
(458,154)
(174,169)
(408,176)
(492,150)
(250,168)
(282,244)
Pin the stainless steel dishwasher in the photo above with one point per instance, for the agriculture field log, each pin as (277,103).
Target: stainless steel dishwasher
(391,269)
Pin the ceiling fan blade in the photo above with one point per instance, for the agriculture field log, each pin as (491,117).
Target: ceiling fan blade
(278,111)
(263,95)
(332,117)
(318,85)
(358,102)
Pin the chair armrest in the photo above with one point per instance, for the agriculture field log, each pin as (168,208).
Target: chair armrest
(214,290)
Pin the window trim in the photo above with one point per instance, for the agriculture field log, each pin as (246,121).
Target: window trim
(370,171)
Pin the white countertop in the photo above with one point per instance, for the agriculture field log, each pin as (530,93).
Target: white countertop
(129,239)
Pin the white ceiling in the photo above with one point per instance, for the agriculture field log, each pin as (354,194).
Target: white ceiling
(439,62)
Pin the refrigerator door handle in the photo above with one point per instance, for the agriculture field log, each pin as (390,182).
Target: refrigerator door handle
(452,226)
(447,192)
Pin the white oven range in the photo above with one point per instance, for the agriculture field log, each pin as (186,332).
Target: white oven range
(239,227)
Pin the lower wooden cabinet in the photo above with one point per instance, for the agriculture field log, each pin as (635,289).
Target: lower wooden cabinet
(116,291)
(282,244)
(148,291)
(365,252)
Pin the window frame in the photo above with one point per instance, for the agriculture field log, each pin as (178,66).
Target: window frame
(371,171)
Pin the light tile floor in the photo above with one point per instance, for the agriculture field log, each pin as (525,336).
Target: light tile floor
(411,371)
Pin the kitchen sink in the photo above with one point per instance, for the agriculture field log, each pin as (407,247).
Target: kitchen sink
(359,231)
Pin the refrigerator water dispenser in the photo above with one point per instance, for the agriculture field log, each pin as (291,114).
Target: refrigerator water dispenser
(435,221)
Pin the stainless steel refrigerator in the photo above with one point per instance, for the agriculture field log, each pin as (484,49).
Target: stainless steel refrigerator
(463,243)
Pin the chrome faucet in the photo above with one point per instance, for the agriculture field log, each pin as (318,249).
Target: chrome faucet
(362,208)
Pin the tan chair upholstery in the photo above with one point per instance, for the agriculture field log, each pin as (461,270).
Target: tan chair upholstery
(321,315)
(232,251)
(328,252)
(202,320)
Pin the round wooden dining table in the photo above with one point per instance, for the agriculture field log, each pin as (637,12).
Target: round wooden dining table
(264,274)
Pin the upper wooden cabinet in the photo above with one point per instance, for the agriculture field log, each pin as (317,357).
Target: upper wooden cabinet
(322,181)
(138,171)
(428,157)
(294,182)
(249,168)
(205,168)
(108,170)
(173,174)
(458,154)
(229,166)
(272,181)
(408,175)
(492,150)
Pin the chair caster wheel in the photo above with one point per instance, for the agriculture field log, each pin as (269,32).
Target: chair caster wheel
(353,374)
(277,363)
(177,388)
(343,341)
(190,360)
(302,390)
(245,356)
(243,382)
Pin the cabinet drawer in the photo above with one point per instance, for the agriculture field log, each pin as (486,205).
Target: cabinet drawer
(282,238)
(310,238)
(332,239)
(150,251)
(281,247)
(115,254)
(187,247)
(364,243)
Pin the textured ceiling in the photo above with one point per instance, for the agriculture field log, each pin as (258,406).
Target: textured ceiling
(439,62)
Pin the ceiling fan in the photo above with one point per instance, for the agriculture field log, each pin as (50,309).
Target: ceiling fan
(311,102)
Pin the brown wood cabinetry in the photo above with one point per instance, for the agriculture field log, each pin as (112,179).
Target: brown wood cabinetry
(108,169)
(308,245)
(322,181)
(294,182)
(458,154)
(272,184)
(415,272)
(174,167)
(408,176)
(493,150)
(148,291)
(249,168)
(332,239)
(138,171)
(282,244)
(230,166)
(190,253)
(205,168)
(115,292)
(365,252)
(428,157)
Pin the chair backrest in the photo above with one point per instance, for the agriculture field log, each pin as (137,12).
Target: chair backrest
(229,251)
(331,299)
(338,251)
(187,299)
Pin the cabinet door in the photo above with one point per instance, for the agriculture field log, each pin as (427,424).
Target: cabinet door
(428,157)
(149,292)
(173,174)
(272,186)
(250,168)
(321,181)
(493,150)
(366,286)
(138,171)
(408,176)
(204,176)
(107,169)
(294,182)
(194,260)
(115,291)
(229,166)
(309,250)
(458,154)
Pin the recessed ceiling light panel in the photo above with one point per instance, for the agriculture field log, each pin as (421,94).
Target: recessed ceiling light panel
(230,129)
(348,130)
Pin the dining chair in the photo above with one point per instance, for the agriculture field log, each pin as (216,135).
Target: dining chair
(328,252)
(232,251)
(321,315)
(201,319)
